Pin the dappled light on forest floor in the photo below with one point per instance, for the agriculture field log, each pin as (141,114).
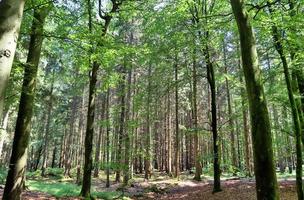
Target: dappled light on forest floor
(243,189)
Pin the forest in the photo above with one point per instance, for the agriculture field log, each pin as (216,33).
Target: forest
(151,99)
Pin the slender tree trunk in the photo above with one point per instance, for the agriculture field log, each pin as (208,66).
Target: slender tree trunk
(88,165)
(231,123)
(10,19)
(127,145)
(198,167)
(98,144)
(16,174)
(266,181)
(169,139)
(108,137)
(47,130)
(119,155)
(177,136)
(247,143)
(87,170)
(148,153)
(294,110)
(216,160)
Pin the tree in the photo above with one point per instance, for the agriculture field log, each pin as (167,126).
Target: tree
(266,182)
(10,20)
(16,174)
(87,170)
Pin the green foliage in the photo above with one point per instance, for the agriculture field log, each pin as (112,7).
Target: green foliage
(3,173)
(66,189)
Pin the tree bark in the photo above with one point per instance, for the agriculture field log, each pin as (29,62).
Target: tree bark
(128,146)
(198,167)
(294,110)
(148,153)
(47,129)
(177,136)
(10,19)
(266,181)
(88,165)
(119,155)
(98,144)
(216,159)
(231,123)
(108,137)
(16,174)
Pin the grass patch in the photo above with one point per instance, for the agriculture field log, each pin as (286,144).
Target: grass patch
(57,189)
(66,189)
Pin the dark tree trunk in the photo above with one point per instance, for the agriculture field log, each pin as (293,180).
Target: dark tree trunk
(88,165)
(266,181)
(16,174)
(216,160)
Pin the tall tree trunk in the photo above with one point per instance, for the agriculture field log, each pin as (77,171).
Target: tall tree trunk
(169,137)
(148,153)
(231,123)
(87,170)
(177,136)
(266,181)
(98,144)
(128,146)
(119,155)
(198,167)
(10,19)
(294,110)
(211,81)
(108,137)
(16,174)
(247,143)
(88,165)
(47,129)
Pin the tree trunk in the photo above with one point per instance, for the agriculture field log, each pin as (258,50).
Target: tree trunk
(108,137)
(10,19)
(3,130)
(216,160)
(88,165)
(148,153)
(87,169)
(128,146)
(231,123)
(119,158)
(16,174)
(47,130)
(266,181)
(177,136)
(198,167)
(294,110)
(247,143)
(98,144)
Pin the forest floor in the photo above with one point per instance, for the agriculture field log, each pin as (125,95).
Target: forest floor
(161,188)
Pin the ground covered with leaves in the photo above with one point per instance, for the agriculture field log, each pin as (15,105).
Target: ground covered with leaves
(186,189)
